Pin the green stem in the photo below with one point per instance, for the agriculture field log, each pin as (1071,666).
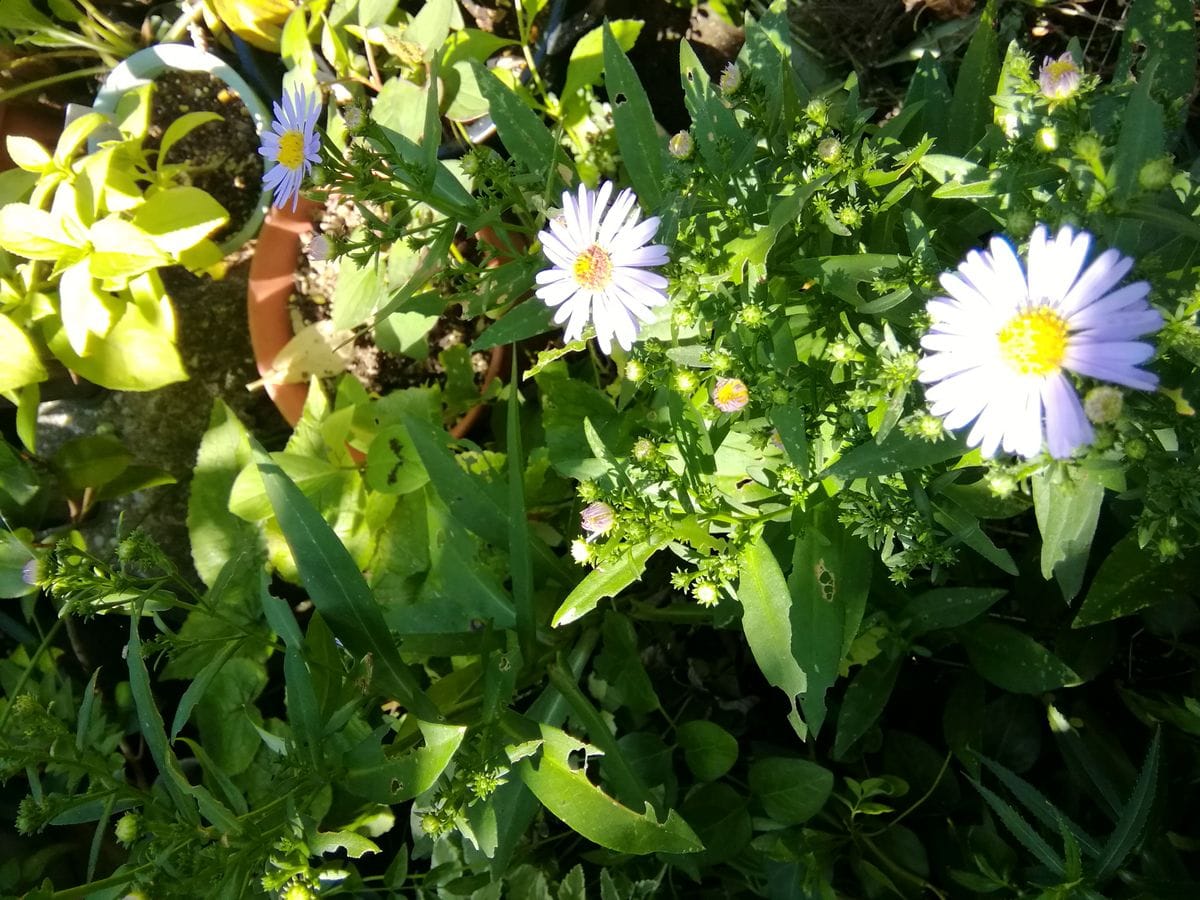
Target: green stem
(91,887)
(33,661)
(53,79)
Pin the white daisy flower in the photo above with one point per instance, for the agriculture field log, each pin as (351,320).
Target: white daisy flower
(1001,340)
(292,144)
(599,258)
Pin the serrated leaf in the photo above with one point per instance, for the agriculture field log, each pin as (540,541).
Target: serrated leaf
(1023,831)
(1136,812)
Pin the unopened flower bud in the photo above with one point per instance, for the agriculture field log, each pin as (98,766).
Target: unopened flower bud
(634,370)
(597,519)
(829,150)
(1156,174)
(1136,448)
(128,829)
(1103,404)
(706,593)
(681,145)
(731,79)
(685,382)
(1047,139)
(580,551)
(354,118)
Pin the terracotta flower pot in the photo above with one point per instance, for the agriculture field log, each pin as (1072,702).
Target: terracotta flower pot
(272,281)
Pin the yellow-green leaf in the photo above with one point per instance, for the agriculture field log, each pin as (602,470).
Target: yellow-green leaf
(179,218)
(19,363)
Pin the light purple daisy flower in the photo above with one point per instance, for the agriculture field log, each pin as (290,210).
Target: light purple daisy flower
(1001,340)
(599,258)
(1059,78)
(292,144)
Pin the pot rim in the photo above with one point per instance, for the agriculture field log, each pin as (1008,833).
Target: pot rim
(267,294)
(145,65)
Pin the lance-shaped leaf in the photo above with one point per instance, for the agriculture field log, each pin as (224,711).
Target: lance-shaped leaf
(338,589)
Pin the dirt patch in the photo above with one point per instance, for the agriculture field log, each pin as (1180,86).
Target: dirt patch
(378,370)
(222,155)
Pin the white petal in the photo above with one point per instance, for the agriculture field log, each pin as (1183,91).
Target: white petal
(653,255)
(614,219)
(1103,274)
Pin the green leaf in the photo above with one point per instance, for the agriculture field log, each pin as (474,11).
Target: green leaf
(19,363)
(865,699)
(791,791)
(573,886)
(1141,139)
(179,218)
(929,87)
(721,141)
(633,121)
(588,60)
(527,140)
(382,777)
(195,691)
(14,557)
(1023,831)
(216,534)
(32,233)
(361,289)
(354,844)
(971,107)
(1067,511)
(564,789)
(897,453)
(136,355)
(1128,580)
(152,729)
(520,561)
(1165,29)
(393,464)
(90,461)
(181,128)
(337,587)
(766,605)
(947,608)
(709,750)
(28,153)
(1038,806)
(1012,660)
(829,582)
(525,320)
(1132,823)
(608,580)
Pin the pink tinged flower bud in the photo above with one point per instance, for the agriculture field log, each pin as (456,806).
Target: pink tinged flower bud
(597,519)
(730,395)
(1059,78)
(731,79)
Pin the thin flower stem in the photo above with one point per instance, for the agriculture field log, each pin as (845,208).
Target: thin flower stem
(53,79)
(33,661)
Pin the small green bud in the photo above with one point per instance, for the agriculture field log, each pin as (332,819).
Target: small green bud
(644,450)
(1087,147)
(634,371)
(1156,174)
(1001,484)
(685,382)
(1136,448)
(829,150)
(706,593)
(1020,221)
(817,111)
(1047,139)
(751,315)
(128,829)
(1168,547)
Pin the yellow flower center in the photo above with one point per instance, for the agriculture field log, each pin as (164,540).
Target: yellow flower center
(291,149)
(593,268)
(1060,67)
(1034,342)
